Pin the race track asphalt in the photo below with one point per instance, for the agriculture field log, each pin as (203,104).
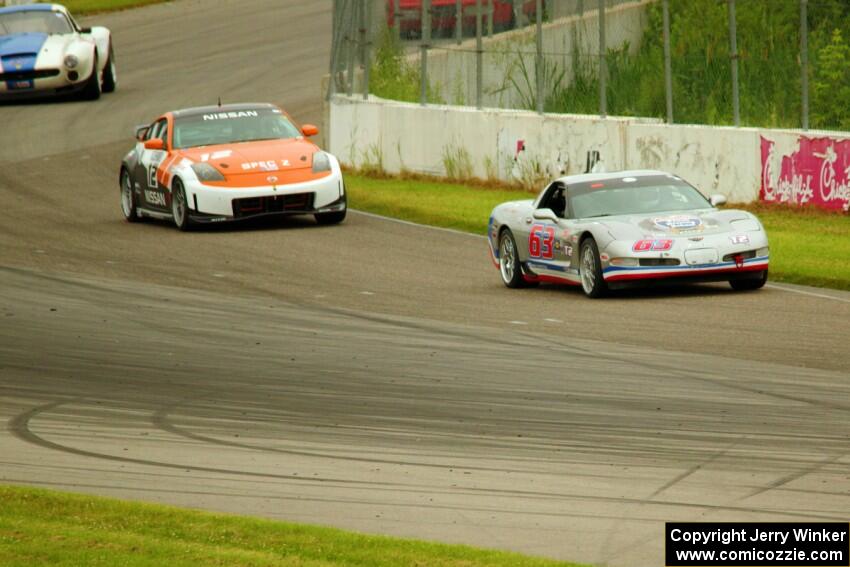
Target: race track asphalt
(376,375)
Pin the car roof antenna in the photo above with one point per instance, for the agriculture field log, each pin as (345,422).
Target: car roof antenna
(219,102)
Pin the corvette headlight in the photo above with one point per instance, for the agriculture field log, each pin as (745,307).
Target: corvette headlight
(206,172)
(746,225)
(71,61)
(321,162)
(625,262)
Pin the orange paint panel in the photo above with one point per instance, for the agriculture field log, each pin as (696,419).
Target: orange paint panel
(163,175)
(278,178)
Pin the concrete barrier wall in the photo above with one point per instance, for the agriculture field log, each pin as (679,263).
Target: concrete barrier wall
(408,137)
(742,163)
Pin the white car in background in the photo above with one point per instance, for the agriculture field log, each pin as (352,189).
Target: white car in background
(44,52)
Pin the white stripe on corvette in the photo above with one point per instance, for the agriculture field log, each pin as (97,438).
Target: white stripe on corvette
(682,270)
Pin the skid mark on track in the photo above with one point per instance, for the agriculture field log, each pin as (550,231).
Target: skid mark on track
(780,482)
(679,478)
(19,426)
(161,420)
(703,376)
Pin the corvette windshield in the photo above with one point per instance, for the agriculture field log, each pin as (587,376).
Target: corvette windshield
(34,21)
(634,195)
(228,127)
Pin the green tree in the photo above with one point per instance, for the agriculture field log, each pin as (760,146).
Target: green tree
(831,90)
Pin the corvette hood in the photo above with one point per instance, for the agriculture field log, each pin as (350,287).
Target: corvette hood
(685,223)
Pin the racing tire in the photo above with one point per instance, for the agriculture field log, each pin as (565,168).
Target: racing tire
(110,74)
(335,217)
(128,198)
(180,207)
(590,270)
(749,284)
(510,267)
(92,89)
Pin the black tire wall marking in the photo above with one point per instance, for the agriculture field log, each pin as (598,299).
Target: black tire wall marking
(19,427)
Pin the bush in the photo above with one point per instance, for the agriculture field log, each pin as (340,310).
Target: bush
(769,67)
(392,76)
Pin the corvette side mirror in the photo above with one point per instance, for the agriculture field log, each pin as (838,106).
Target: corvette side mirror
(154,144)
(309,130)
(717,199)
(545,214)
(85,30)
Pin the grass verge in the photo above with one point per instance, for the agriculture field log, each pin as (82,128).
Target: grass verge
(83,7)
(447,204)
(40,527)
(805,245)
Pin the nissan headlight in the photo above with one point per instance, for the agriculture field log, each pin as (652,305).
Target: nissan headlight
(321,162)
(206,172)
(71,61)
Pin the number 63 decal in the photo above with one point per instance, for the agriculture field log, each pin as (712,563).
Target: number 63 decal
(540,241)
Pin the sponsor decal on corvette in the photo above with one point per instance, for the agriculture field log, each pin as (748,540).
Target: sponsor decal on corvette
(650,244)
(739,239)
(678,223)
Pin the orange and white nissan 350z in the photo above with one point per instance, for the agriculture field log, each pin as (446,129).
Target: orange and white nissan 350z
(223,163)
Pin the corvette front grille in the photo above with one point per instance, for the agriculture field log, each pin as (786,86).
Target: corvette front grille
(28,75)
(745,255)
(299,202)
(659,262)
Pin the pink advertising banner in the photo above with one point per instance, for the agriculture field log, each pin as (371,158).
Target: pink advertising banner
(813,172)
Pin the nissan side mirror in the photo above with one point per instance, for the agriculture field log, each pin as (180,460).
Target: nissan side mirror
(154,144)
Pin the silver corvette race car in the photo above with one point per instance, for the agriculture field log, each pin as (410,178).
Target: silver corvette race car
(44,52)
(605,231)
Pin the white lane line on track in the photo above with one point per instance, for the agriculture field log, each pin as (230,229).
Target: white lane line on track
(410,223)
(803,292)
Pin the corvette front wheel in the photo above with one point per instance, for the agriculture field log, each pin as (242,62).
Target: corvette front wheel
(509,265)
(748,284)
(590,269)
